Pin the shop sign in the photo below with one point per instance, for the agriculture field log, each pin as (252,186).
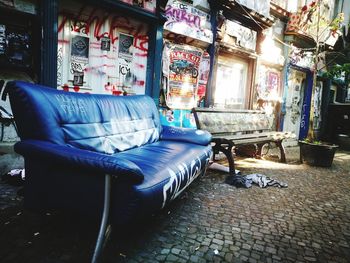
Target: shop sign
(184,19)
(239,35)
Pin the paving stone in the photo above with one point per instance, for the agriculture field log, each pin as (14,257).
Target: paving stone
(246,246)
(176,251)
(217,241)
(301,223)
(271,250)
(258,247)
(172,258)
(165,251)
(228,257)
(310,259)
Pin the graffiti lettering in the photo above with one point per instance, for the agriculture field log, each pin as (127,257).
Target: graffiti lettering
(141,42)
(124,70)
(182,178)
(76,67)
(181,15)
(179,38)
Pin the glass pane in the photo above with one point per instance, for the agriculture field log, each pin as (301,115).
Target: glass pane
(231,82)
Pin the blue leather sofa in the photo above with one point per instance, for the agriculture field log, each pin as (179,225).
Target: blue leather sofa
(101,154)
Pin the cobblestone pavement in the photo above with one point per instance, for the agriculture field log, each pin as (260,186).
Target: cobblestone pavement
(211,222)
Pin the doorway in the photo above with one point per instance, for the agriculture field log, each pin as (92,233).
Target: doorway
(294,101)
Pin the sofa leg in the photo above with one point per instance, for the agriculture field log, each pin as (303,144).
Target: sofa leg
(104,227)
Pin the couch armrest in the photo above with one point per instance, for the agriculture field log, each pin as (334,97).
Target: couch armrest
(195,136)
(65,155)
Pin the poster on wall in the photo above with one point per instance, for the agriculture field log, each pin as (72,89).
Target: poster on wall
(177,118)
(204,69)
(182,71)
(125,59)
(80,49)
(269,84)
(79,58)
(125,46)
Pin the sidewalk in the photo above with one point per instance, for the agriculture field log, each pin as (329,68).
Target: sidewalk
(211,222)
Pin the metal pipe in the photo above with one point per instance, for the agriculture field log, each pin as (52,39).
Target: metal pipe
(104,222)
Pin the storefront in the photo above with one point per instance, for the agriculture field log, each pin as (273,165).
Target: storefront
(240,35)
(185,61)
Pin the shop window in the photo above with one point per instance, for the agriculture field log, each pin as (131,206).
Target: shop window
(231,83)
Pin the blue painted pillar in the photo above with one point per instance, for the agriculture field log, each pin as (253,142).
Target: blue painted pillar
(212,53)
(157,74)
(305,111)
(49,42)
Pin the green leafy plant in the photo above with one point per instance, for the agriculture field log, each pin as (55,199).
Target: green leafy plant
(309,140)
(338,71)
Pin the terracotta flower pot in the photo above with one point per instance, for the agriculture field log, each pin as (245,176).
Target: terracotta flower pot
(317,154)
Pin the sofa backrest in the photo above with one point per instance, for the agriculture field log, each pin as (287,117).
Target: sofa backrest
(101,123)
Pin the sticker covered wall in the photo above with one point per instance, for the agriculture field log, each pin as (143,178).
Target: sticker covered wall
(100,51)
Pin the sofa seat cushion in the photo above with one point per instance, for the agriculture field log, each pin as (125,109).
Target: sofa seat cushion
(168,168)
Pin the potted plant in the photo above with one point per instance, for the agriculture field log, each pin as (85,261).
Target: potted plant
(317,153)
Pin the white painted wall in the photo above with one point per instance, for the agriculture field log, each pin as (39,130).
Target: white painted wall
(104,71)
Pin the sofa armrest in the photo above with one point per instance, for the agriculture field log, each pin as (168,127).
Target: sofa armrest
(65,155)
(195,136)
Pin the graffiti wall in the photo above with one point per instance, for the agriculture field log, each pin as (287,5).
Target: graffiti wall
(100,51)
(186,20)
(238,35)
